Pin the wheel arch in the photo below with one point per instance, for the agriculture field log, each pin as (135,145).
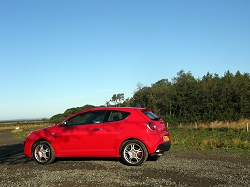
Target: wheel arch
(39,140)
(43,155)
(133,152)
(129,139)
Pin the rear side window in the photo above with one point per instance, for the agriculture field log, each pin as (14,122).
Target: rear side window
(151,115)
(117,116)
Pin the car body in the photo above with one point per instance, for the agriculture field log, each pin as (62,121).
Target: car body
(133,134)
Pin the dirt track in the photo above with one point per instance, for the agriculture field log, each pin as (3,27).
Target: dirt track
(175,168)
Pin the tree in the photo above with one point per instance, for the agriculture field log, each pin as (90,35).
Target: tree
(186,87)
(117,99)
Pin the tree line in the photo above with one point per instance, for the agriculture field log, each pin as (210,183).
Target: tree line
(186,99)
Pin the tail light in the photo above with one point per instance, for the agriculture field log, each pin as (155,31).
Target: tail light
(151,126)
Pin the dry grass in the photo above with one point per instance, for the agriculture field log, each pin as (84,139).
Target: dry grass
(21,131)
(19,127)
(241,124)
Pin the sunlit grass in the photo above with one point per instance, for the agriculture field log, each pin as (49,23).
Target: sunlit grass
(216,139)
(21,131)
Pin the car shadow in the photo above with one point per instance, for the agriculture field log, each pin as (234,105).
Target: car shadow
(12,154)
(67,159)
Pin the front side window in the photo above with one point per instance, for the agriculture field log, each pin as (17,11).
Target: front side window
(91,117)
(117,115)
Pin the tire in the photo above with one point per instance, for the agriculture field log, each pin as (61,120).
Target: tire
(133,153)
(43,152)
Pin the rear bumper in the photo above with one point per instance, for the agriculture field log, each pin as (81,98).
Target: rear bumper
(162,148)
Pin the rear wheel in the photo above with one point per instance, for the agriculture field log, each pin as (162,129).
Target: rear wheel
(43,152)
(134,153)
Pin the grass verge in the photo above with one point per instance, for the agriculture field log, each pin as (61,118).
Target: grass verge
(223,139)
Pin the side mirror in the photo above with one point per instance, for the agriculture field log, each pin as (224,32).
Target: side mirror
(64,124)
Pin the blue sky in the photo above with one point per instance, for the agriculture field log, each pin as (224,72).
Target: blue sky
(56,54)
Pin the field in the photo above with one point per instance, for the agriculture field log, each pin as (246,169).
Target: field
(20,131)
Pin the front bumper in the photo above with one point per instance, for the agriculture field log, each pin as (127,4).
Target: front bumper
(27,149)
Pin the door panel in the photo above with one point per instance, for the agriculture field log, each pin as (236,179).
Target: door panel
(82,140)
(81,135)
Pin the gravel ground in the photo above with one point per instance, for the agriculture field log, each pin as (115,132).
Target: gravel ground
(175,168)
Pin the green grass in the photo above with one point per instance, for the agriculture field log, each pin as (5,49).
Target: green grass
(208,139)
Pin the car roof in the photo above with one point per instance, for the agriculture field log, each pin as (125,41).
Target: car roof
(125,109)
(117,108)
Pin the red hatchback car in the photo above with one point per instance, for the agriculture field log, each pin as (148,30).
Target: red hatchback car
(133,134)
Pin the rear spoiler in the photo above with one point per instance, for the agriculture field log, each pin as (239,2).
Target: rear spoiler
(147,109)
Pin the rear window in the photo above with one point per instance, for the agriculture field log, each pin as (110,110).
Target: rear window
(151,115)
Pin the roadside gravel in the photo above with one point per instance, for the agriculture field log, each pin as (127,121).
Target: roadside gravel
(175,168)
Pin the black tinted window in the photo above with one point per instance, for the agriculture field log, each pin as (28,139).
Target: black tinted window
(151,115)
(91,117)
(117,115)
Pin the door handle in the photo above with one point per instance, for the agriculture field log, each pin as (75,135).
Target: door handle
(97,129)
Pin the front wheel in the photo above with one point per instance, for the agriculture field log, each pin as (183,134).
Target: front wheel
(134,153)
(43,152)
